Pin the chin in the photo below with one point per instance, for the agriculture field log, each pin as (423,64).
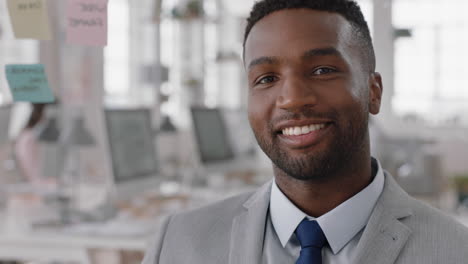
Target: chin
(311,168)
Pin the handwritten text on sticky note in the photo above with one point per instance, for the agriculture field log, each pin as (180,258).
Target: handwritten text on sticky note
(29,19)
(87,22)
(28,82)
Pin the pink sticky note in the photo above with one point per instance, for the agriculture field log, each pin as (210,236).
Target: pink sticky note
(87,22)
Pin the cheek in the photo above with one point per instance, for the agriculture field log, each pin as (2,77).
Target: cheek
(259,113)
(349,97)
(354,107)
(360,90)
(255,116)
(354,112)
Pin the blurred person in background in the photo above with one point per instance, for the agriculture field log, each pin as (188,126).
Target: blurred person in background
(28,149)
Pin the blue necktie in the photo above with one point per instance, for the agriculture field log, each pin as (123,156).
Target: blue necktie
(312,240)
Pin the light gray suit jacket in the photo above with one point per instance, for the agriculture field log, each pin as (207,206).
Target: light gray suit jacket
(400,230)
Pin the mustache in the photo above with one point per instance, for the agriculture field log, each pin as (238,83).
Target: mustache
(304,113)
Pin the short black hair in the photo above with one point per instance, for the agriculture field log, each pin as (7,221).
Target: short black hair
(349,9)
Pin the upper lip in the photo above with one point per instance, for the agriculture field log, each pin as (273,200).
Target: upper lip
(299,123)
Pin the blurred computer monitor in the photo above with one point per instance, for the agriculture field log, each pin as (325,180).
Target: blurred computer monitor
(224,139)
(211,135)
(5,113)
(132,151)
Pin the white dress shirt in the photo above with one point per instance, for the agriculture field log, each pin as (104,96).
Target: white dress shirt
(342,226)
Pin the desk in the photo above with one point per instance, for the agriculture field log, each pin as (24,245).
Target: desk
(61,245)
(78,243)
(58,246)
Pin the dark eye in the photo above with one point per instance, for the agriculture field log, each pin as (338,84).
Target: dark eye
(267,79)
(323,70)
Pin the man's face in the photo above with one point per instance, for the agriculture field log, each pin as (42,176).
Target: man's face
(309,92)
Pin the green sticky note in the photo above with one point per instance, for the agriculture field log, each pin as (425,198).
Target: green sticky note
(28,83)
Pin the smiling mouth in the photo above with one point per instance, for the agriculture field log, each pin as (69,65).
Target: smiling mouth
(303,137)
(302,130)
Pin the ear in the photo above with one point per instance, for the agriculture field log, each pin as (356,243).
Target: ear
(375,92)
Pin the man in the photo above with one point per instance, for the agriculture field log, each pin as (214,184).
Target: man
(312,85)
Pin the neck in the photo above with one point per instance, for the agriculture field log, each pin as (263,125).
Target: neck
(317,197)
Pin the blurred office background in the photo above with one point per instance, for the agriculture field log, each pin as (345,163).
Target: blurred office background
(155,121)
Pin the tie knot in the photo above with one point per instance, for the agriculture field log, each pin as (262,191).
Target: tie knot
(310,234)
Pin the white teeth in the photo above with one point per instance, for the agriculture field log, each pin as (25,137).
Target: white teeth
(296,131)
(314,127)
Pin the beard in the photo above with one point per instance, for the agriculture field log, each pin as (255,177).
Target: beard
(349,138)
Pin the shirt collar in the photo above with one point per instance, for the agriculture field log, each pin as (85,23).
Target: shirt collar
(285,216)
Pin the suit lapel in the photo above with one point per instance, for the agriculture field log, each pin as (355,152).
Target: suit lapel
(385,235)
(248,229)
(381,242)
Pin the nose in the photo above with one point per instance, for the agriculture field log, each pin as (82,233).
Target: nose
(295,93)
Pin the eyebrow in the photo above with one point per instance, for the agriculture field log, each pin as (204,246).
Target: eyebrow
(329,51)
(263,60)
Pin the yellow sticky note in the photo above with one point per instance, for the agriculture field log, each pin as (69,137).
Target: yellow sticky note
(29,18)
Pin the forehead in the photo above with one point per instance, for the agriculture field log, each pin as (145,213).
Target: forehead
(291,32)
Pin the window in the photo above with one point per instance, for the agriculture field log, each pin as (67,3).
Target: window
(431,79)
(116,54)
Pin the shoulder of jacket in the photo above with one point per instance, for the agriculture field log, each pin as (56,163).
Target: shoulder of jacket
(228,207)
